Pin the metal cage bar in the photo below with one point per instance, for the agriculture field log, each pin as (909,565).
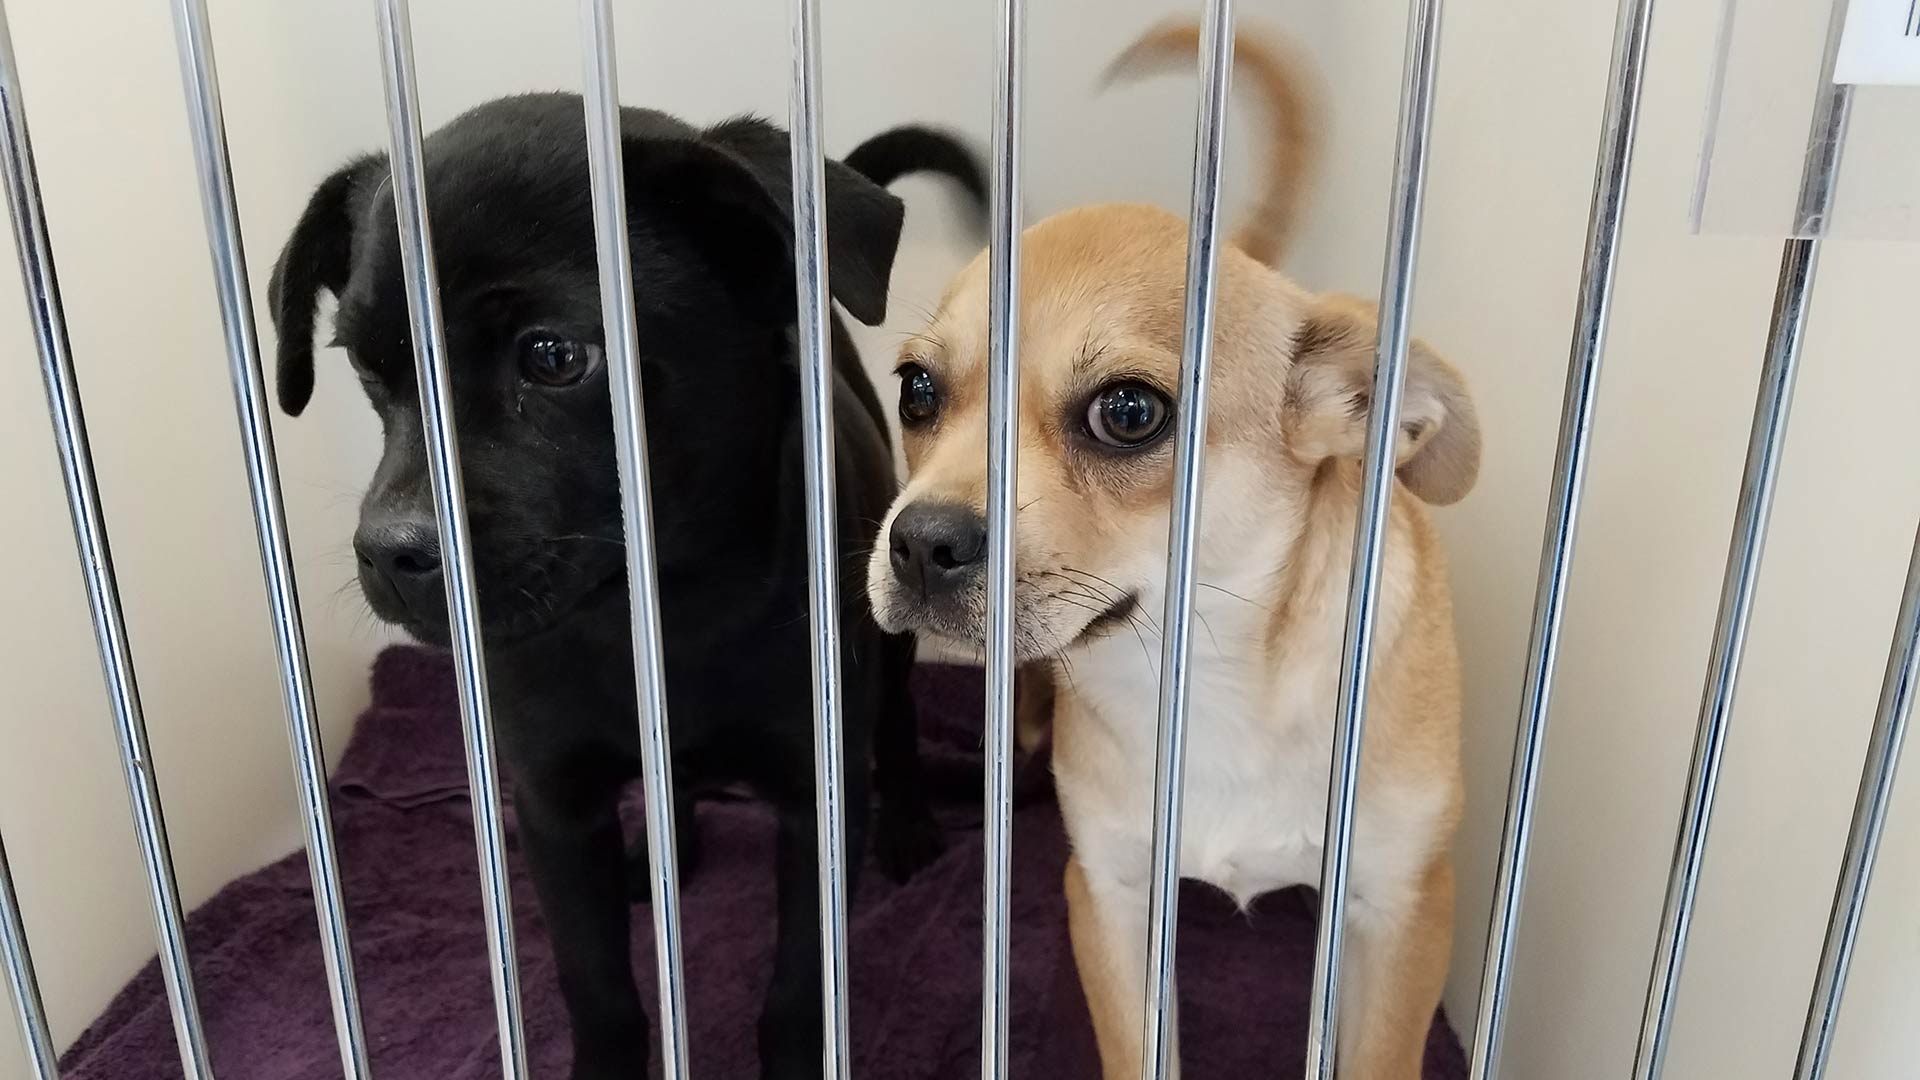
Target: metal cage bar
(1611,174)
(621,334)
(204,115)
(1159,1047)
(1897,693)
(16,964)
(1799,263)
(1786,335)
(434,373)
(1003,469)
(1369,542)
(37,273)
(1756,498)
(823,608)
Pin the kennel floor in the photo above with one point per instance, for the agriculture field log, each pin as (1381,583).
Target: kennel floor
(413,896)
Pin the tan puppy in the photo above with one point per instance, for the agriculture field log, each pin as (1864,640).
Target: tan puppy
(1100,355)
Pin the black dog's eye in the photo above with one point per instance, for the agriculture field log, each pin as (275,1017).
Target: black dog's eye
(549,360)
(919,397)
(1127,415)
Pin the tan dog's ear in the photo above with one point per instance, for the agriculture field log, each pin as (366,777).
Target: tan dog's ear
(1331,383)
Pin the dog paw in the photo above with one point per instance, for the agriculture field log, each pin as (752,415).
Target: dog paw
(906,844)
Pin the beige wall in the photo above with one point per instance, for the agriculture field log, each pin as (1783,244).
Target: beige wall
(1518,106)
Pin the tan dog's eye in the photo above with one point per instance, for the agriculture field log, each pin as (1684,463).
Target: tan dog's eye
(919,396)
(1128,415)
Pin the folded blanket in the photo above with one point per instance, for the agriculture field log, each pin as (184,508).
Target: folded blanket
(413,895)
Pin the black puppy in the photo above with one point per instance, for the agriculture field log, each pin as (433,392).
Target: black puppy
(709,214)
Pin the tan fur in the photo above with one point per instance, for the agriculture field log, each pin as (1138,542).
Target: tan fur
(1114,984)
(1102,303)
(1293,149)
(1033,694)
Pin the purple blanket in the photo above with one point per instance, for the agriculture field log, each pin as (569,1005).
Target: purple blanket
(413,892)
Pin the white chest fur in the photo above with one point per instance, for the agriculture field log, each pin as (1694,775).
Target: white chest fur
(1259,744)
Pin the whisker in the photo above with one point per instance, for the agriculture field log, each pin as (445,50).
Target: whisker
(1100,603)
(1235,595)
(1118,592)
(1142,638)
(1077,600)
(1089,591)
(1208,627)
(1088,585)
(616,541)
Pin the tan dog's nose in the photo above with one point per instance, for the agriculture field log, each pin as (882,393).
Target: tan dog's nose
(937,547)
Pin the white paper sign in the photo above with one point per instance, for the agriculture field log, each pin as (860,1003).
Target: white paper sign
(1881,44)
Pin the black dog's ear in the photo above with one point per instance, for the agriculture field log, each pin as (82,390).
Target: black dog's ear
(319,255)
(863,218)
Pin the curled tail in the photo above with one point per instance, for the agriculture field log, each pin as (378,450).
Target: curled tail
(1293,118)
(912,148)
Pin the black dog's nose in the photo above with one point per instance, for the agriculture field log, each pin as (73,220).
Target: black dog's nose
(403,554)
(936,547)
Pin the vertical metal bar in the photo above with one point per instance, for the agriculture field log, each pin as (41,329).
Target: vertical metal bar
(205,117)
(1183,530)
(622,336)
(1832,107)
(1736,598)
(16,963)
(1369,541)
(1793,297)
(1003,468)
(1897,693)
(96,559)
(816,422)
(434,373)
(1617,129)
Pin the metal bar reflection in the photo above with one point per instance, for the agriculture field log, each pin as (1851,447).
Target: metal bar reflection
(1793,297)
(1190,436)
(1617,129)
(1369,542)
(205,117)
(816,422)
(16,963)
(1897,693)
(96,559)
(622,338)
(1003,469)
(450,508)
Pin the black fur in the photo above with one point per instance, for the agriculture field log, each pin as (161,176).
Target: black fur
(712,255)
(911,149)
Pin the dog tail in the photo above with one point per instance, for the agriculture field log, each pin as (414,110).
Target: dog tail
(1292,101)
(912,148)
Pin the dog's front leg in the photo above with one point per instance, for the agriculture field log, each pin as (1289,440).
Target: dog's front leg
(1394,971)
(905,836)
(575,851)
(687,848)
(791,1033)
(1107,920)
